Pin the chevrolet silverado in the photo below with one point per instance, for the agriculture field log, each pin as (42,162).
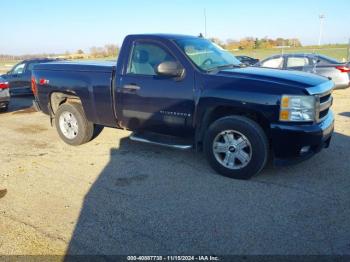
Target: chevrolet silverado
(184,92)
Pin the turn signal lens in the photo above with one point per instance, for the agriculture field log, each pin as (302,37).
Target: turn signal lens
(284,115)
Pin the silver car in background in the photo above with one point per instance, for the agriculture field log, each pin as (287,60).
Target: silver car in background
(312,63)
(4,95)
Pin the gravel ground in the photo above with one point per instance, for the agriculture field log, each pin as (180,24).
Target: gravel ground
(114,196)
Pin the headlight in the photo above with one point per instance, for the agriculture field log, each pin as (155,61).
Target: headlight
(297,108)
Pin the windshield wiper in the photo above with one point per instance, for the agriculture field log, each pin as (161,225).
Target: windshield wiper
(218,68)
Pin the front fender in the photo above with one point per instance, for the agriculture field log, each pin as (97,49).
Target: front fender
(209,108)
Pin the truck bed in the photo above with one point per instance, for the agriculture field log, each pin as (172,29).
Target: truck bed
(89,80)
(85,66)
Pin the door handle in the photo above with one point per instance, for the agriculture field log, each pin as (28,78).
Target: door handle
(131,87)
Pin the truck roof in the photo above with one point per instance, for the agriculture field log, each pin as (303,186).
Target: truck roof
(163,36)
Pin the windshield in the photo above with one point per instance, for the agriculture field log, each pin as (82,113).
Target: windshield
(329,59)
(207,55)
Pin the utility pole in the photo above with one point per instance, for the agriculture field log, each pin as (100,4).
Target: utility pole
(205,23)
(348,56)
(321,17)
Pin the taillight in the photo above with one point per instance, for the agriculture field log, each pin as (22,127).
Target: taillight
(4,85)
(343,69)
(43,81)
(34,89)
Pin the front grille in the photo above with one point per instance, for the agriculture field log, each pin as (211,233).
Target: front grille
(324,99)
(323,114)
(324,102)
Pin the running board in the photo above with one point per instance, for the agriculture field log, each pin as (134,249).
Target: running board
(160,140)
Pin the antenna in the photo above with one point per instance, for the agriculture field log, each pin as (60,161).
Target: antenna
(321,17)
(205,23)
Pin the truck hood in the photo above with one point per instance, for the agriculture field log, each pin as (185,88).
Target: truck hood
(291,78)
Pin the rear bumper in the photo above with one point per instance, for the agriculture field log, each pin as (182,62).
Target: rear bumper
(342,86)
(288,140)
(4,98)
(342,82)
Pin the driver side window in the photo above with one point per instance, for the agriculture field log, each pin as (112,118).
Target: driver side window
(146,57)
(18,69)
(293,62)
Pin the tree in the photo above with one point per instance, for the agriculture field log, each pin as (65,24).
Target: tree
(257,43)
(247,43)
(232,44)
(267,43)
(294,42)
(93,51)
(98,52)
(217,41)
(80,52)
(67,55)
(281,42)
(111,50)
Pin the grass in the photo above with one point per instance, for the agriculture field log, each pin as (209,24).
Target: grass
(338,52)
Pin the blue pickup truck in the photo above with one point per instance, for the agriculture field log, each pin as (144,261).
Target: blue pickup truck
(184,92)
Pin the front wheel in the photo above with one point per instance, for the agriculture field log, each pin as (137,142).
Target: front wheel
(72,125)
(236,147)
(4,109)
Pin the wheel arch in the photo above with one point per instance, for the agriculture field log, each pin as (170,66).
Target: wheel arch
(59,98)
(216,112)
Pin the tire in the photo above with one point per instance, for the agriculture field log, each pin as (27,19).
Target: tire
(4,109)
(72,125)
(248,147)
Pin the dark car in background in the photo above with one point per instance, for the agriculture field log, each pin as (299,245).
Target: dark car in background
(312,63)
(4,95)
(247,60)
(19,77)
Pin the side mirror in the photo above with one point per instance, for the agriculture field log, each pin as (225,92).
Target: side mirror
(316,61)
(172,69)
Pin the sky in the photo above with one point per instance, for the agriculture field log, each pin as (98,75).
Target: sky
(56,26)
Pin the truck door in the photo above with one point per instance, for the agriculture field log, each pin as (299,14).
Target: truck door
(152,102)
(14,77)
(19,79)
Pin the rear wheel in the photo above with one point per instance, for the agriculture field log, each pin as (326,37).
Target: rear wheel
(4,108)
(236,147)
(72,125)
